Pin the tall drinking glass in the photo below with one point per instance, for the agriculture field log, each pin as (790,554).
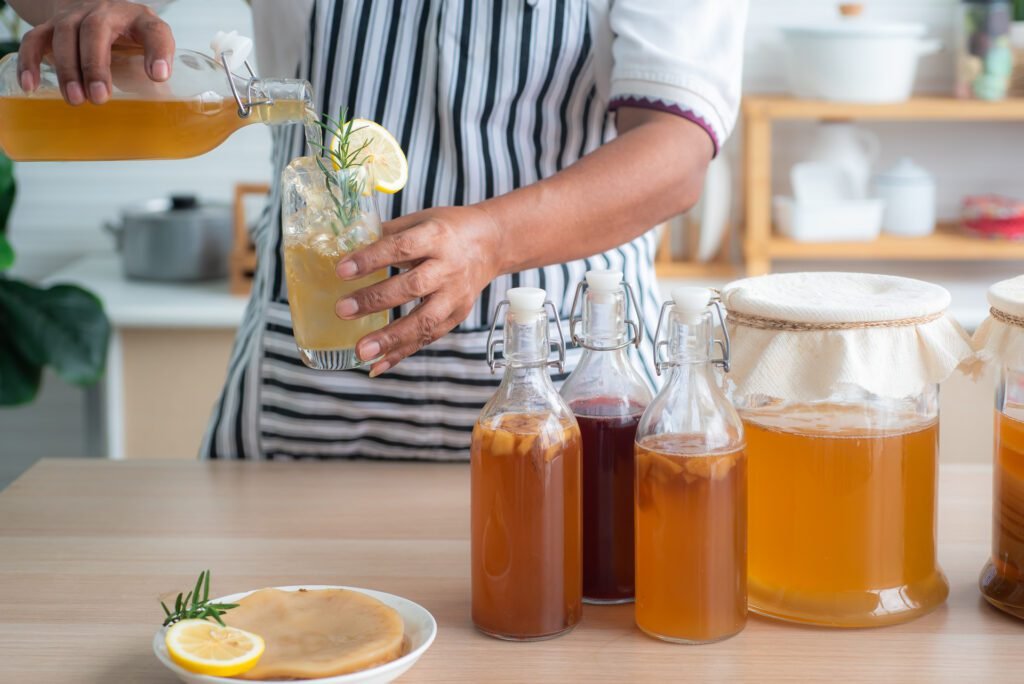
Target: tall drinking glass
(326,215)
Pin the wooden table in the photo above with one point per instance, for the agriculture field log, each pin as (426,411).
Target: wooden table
(88,547)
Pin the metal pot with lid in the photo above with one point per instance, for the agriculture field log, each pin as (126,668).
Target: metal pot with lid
(175,239)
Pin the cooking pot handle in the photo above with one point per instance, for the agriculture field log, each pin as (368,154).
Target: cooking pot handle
(117,230)
(929,46)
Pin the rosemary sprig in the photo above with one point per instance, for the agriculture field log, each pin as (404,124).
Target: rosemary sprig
(192,607)
(345,188)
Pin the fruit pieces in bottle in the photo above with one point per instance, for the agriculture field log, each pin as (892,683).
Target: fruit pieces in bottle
(525,526)
(1002,580)
(842,514)
(608,430)
(691,546)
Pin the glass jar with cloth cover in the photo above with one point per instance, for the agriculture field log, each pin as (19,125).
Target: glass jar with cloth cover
(836,378)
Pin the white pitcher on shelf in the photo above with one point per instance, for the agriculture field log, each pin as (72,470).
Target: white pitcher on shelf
(850,148)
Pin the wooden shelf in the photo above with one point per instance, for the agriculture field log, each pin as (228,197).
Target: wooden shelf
(916,109)
(947,243)
(761,246)
(692,270)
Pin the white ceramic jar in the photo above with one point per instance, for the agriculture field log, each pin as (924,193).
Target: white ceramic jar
(909,195)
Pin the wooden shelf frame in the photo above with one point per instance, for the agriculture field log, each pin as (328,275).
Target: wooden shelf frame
(761,246)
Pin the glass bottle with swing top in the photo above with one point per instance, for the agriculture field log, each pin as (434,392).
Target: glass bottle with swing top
(525,485)
(691,486)
(206,99)
(607,394)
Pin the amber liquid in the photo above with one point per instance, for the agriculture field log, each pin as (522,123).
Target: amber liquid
(314,288)
(608,474)
(691,541)
(842,516)
(525,527)
(1002,580)
(47,129)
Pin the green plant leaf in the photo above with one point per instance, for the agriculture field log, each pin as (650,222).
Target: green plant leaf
(63,326)
(6,254)
(7,190)
(19,377)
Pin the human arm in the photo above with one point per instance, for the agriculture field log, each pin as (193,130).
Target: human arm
(675,84)
(653,170)
(80,34)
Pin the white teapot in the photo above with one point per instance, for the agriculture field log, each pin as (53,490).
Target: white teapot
(852,149)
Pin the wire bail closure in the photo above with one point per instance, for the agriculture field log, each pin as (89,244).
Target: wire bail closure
(661,360)
(494,363)
(576,318)
(244,108)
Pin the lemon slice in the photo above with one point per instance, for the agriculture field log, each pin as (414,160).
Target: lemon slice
(384,157)
(207,648)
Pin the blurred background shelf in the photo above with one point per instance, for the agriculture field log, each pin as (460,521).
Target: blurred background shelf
(761,245)
(947,243)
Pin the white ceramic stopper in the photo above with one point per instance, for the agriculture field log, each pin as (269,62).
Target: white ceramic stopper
(234,47)
(604,281)
(691,302)
(526,299)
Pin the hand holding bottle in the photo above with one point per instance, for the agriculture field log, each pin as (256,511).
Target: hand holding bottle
(80,34)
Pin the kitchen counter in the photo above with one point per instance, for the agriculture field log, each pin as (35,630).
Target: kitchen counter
(87,548)
(144,304)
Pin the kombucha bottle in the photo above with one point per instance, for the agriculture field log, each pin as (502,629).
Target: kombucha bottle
(608,395)
(1002,579)
(526,545)
(192,113)
(691,489)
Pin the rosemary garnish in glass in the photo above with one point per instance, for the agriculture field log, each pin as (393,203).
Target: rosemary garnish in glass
(191,607)
(341,165)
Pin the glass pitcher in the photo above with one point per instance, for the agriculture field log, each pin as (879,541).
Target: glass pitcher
(526,544)
(607,394)
(1001,338)
(691,487)
(191,113)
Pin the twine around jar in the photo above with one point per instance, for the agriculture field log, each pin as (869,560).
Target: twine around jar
(765,323)
(1004,317)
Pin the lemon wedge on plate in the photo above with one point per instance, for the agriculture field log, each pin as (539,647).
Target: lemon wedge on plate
(384,157)
(207,648)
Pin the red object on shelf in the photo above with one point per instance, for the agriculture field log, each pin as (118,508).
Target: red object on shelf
(993,216)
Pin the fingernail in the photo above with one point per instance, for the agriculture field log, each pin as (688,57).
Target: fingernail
(74,93)
(160,70)
(347,269)
(98,92)
(381,367)
(369,351)
(28,82)
(346,307)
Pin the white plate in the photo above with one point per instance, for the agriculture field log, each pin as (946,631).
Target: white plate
(420,630)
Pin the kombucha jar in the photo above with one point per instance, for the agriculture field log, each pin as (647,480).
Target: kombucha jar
(1001,338)
(526,544)
(607,394)
(836,377)
(691,488)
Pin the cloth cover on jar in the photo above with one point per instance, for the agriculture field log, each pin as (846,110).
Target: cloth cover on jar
(806,336)
(1001,337)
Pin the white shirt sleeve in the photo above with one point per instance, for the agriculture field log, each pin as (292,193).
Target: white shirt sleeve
(680,56)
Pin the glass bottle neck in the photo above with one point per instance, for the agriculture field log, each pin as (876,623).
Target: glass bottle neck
(526,340)
(278,100)
(690,339)
(604,321)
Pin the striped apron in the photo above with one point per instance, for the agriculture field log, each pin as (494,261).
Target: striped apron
(485,96)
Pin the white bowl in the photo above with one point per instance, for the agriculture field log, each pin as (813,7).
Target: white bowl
(420,630)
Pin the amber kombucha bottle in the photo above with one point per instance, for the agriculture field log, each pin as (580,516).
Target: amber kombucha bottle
(691,491)
(526,543)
